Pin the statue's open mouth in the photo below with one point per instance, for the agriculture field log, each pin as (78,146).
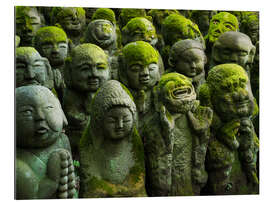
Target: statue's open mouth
(181,93)
(242,103)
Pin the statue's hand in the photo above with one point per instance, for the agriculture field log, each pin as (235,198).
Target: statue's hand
(61,170)
(201,119)
(228,132)
(246,133)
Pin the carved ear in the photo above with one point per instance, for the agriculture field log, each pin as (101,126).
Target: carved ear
(50,82)
(251,55)
(171,62)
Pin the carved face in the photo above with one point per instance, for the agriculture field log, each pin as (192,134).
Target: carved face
(233,47)
(39,118)
(253,31)
(177,92)
(30,68)
(104,30)
(235,101)
(27,23)
(89,71)
(191,63)
(55,50)
(220,23)
(71,22)
(118,123)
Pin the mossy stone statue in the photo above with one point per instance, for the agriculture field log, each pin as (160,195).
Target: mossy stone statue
(44,166)
(71,20)
(250,26)
(52,43)
(28,21)
(187,57)
(87,68)
(233,147)
(111,151)
(140,71)
(176,139)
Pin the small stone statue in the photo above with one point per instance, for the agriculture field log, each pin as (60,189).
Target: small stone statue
(176,139)
(44,166)
(32,69)
(111,150)
(28,21)
(233,147)
(140,71)
(87,68)
(175,28)
(71,20)
(250,26)
(52,43)
(187,57)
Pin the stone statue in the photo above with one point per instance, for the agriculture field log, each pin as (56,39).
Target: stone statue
(44,166)
(140,71)
(187,57)
(32,69)
(52,43)
(28,21)
(87,68)
(176,139)
(71,20)
(233,147)
(175,28)
(111,150)
(250,26)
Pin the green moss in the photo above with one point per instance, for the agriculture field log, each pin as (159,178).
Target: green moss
(128,13)
(96,185)
(104,13)
(175,79)
(17,40)
(127,91)
(140,52)
(176,27)
(59,13)
(159,15)
(49,34)
(24,51)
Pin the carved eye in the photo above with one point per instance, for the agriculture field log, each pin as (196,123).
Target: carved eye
(27,112)
(49,108)
(20,66)
(153,66)
(135,68)
(101,67)
(62,45)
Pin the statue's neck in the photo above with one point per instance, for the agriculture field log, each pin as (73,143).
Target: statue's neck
(115,147)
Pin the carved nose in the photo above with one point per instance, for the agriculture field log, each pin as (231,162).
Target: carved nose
(144,72)
(39,115)
(119,124)
(29,73)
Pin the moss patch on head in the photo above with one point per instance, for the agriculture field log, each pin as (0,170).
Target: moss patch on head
(49,34)
(128,13)
(226,77)
(226,16)
(176,79)
(140,52)
(21,10)
(104,13)
(183,27)
(59,13)
(24,51)
(159,15)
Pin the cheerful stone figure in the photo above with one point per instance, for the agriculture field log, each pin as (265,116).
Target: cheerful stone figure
(176,139)
(87,68)
(52,43)
(111,150)
(44,166)
(32,69)
(232,151)
(71,20)
(187,57)
(140,71)
(28,21)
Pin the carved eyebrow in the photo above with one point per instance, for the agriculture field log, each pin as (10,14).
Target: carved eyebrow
(230,23)
(33,18)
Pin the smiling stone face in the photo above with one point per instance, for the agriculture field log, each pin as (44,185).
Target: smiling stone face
(39,117)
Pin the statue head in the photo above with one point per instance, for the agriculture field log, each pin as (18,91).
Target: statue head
(176,92)
(139,69)
(105,14)
(233,47)
(102,33)
(250,26)
(52,43)
(28,21)
(32,69)
(115,112)
(220,23)
(70,19)
(127,14)
(87,68)
(139,29)
(187,57)
(226,92)
(176,27)
(39,117)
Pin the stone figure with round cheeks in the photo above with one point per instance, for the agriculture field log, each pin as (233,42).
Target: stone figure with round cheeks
(28,21)
(220,23)
(52,43)
(39,117)
(233,47)
(118,123)
(88,68)
(32,69)
(141,65)
(139,29)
